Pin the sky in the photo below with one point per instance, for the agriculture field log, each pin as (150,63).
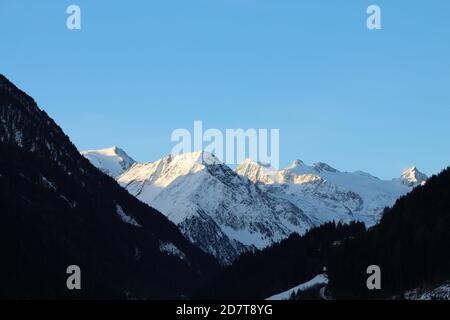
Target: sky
(357,99)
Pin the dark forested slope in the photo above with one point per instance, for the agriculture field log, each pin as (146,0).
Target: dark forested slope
(282,266)
(57,210)
(411,245)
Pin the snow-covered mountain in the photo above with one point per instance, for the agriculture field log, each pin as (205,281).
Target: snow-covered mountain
(218,210)
(326,194)
(413,177)
(227,212)
(112,161)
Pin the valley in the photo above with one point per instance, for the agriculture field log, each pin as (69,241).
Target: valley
(190,227)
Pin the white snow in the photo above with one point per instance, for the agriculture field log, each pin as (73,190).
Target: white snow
(190,185)
(413,177)
(439,292)
(326,194)
(255,205)
(48,183)
(320,279)
(18,137)
(72,204)
(112,161)
(171,249)
(125,218)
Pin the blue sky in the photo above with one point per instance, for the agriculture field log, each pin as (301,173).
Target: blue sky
(377,101)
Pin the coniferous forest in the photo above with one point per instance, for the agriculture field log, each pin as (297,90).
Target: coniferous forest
(295,260)
(225,158)
(58,210)
(411,246)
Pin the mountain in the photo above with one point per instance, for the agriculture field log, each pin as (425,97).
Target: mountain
(112,161)
(58,210)
(216,209)
(412,177)
(280,267)
(411,246)
(324,193)
(226,213)
(317,283)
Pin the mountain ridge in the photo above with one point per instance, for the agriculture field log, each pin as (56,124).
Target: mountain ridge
(410,245)
(206,190)
(113,161)
(327,194)
(58,210)
(218,205)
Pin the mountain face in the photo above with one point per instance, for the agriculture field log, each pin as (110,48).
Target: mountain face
(112,161)
(216,209)
(57,210)
(326,194)
(410,245)
(412,177)
(282,266)
(226,213)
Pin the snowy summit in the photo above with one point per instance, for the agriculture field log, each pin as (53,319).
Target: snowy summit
(112,161)
(226,212)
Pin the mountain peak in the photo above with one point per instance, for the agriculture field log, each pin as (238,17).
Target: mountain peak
(113,161)
(25,125)
(256,171)
(297,163)
(217,209)
(5,81)
(12,89)
(2,78)
(110,150)
(251,162)
(248,161)
(413,177)
(197,157)
(322,166)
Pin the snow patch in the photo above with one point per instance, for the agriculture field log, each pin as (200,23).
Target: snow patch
(188,187)
(440,292)
(48,183)
(125,218)
(255,205)
(112,161)
(18,136)
(321,279)
(171,249)
(413,177)
(327,194)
